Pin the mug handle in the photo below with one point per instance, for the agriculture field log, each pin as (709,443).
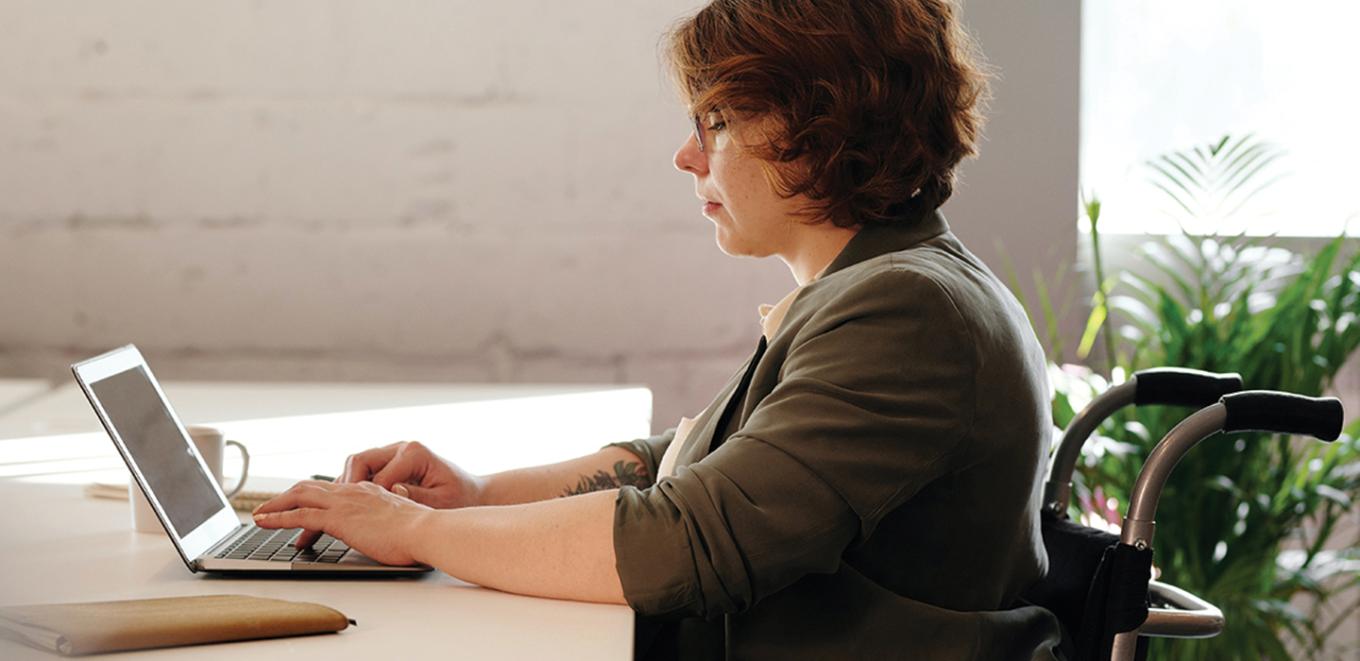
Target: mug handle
(245,468)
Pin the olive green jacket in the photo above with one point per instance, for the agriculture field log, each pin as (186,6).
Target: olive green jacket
(874,492)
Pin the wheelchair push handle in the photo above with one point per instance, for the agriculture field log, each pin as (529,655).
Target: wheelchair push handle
(1177,386)
(1160,385)
(1252,410)
(1283,413)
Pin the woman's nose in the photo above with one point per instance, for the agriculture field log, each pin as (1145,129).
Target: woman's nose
(689,159)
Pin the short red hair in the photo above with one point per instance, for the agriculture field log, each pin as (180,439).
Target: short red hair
(877,100)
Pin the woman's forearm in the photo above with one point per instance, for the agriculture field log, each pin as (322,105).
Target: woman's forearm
(609,468)
(562,548)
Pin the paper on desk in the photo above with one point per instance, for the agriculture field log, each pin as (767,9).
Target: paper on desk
(104,490)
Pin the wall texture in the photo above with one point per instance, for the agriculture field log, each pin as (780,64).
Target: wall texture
(432,190)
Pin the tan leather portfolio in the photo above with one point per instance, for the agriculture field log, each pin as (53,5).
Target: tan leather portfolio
(111,626)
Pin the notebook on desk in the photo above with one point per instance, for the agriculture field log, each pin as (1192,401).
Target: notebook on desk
(187,500)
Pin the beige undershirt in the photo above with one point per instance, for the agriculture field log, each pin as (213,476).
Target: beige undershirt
(771,316)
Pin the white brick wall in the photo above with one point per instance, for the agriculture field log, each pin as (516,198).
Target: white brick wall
(422,190)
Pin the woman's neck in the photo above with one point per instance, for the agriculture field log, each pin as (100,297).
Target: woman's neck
(814,249)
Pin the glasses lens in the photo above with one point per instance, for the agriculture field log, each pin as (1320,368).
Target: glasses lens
(699,132)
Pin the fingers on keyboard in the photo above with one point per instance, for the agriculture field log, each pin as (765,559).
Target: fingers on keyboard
(277,546)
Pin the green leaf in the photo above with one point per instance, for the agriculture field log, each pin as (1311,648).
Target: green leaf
(1283,321)
(1093,325)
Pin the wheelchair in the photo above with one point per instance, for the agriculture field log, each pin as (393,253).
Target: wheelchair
(1099,584)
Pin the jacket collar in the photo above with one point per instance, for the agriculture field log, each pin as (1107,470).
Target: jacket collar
(877,239)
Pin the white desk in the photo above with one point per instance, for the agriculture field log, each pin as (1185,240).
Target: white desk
(57,545)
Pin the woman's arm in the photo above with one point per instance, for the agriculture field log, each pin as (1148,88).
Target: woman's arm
(425,478)
(610,468)
(561,548)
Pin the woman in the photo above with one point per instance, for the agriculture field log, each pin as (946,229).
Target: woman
(867,484)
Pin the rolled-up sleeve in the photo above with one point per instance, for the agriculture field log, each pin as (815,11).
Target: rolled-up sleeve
(877,393)
(649,450)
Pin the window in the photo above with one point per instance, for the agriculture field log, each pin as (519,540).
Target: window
(1163,75)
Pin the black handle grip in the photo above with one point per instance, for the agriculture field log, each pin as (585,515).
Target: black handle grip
(1283,412)
(1178,386)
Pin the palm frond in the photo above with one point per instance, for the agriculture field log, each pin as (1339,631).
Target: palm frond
(1284,321)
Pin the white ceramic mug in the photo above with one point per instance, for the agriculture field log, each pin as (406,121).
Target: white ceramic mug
(211,444)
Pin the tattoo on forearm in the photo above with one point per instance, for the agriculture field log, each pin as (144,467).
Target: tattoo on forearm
(626,474)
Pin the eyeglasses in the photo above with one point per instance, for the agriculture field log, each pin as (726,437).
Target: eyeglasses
(699,132)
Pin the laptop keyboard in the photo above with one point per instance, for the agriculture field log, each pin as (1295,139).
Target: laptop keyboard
(277,545)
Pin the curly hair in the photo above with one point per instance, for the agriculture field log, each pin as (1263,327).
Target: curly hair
(877,100)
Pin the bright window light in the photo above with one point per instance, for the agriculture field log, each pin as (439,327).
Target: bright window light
(1164,75)
(481,436)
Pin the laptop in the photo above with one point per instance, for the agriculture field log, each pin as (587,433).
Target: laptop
(206,531)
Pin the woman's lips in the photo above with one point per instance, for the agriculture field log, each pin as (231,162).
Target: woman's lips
(710,207)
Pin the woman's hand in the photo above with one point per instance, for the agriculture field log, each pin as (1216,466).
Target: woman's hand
(412,470)
(372,520)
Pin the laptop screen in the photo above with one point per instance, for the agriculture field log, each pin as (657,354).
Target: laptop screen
(161,452)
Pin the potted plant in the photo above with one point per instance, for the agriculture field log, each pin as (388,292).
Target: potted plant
(1249,521)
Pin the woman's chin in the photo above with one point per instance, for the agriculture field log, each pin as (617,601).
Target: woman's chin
(726,242)
(735,247)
